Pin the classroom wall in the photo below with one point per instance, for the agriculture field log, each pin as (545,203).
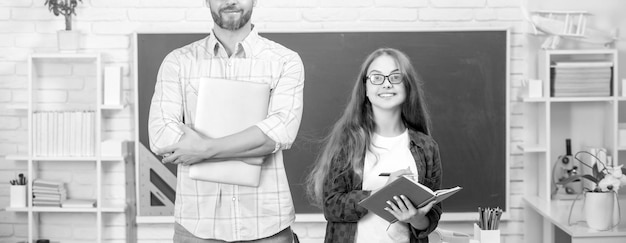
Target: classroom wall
(26,26)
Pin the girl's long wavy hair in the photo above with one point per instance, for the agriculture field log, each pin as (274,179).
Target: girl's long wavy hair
(351,135)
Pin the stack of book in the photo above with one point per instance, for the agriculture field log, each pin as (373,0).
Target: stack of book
(581,79)
(47,193)
(64,133)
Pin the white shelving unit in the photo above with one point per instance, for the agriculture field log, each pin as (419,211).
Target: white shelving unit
(588,122)
(50,88)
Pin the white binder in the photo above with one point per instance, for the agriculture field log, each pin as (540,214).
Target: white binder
(225,107)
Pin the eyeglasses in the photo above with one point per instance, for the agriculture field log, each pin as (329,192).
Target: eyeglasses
(378,79)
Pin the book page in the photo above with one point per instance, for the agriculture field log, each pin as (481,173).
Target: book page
(446,191)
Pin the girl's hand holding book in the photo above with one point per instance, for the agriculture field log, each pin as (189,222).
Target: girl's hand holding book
(402,208)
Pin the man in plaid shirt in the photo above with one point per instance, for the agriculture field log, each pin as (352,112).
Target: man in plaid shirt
(215,212)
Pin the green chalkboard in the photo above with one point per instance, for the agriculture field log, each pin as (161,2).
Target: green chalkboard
(465,74)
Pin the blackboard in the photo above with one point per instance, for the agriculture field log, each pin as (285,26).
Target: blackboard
(465,76)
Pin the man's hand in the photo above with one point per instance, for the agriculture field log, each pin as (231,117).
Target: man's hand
(190,149)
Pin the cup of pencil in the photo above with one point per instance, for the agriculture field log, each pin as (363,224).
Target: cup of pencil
(18,192)
(487,228)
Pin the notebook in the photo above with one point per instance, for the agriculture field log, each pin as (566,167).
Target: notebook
(417,193)
(225,107)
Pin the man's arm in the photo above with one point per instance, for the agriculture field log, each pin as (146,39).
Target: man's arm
(251,142)
(166,107)
(248,145)
(286,105)
(276,132)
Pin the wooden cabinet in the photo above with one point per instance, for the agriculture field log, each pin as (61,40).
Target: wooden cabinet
(589,115)
(65,130)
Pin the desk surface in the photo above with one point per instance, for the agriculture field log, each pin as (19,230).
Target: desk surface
(557,211)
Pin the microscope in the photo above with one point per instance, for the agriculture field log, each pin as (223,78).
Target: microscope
(565,168)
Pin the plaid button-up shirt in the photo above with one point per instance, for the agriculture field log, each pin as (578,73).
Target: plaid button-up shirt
(343,191)
(223,211)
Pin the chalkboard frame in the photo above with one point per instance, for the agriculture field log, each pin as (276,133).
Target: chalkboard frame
(318,217)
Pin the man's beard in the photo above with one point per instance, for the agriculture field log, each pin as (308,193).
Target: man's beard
(228,23)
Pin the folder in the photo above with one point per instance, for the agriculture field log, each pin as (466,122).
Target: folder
(226,107)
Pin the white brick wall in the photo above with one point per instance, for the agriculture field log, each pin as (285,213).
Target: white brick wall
(458,3)
(107,26)
(402,3)
(389,14)
(330,14)
(286,4)
(5,14)
(345,3)
(156,15)
(447,14)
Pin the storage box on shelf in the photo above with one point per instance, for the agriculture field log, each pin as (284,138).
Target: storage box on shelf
(64,114)
(581,104)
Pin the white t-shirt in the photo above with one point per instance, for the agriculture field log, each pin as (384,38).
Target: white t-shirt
(389,154)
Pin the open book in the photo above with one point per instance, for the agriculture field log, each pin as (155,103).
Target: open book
(226,107)
(419,195)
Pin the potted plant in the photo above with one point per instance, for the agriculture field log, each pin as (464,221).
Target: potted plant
(599,201)
(68,39)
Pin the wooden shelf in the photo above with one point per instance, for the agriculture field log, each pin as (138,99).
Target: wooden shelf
(557,211)
(581,51)
(9,209)
(112,158)
(59,158)
(53,55)
(110,209)
(63,158)
(572,99)
(581,99)
(65,210)
(532,100)
(112,107)
(550,120)
(533,148)
(88,98)
(54,209)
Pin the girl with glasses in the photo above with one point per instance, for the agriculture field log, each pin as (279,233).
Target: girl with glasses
(385,128)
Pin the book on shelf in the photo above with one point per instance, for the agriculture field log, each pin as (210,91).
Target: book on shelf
(47,183)
(48,190)
(56,204)
(46,196)
(64,133)
(581,64)
(417,193)
(581,82)
(47,202)
(47,199)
